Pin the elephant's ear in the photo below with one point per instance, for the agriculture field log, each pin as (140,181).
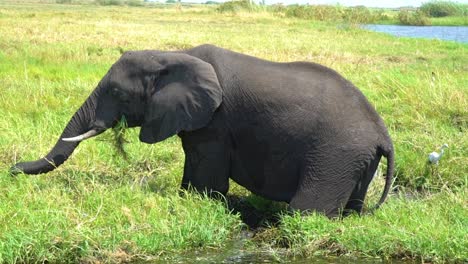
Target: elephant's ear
(183,92)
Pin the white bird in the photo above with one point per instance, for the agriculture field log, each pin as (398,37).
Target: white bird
(434,157)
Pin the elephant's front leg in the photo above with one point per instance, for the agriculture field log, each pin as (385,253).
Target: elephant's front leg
(206,167)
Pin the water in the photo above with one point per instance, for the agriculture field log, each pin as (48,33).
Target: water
(240,250)
(453,33)
(236,252)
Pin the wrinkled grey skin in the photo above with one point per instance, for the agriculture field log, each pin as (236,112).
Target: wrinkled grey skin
(296,132)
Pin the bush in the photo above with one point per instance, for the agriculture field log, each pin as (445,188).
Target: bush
(120,2)
(300,11)
(443,8)
(277,8)
(355,15)
(134,2)
(326,13)
(417,18)
(110,2)
(316,12)
(359,15)
(236,6)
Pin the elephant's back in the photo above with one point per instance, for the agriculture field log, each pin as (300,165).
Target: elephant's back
(291,104)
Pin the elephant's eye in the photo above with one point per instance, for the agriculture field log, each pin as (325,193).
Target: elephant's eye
(121,95)
(115,92)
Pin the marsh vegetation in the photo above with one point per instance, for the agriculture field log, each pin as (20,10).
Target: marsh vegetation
(99,206)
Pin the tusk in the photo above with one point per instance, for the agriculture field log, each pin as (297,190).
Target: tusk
(89,134)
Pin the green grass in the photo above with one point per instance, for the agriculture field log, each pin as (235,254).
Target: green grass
(455,15)
(81,217)
(101,207)
(424,228)
(450,21)
(444,8)
(392,19)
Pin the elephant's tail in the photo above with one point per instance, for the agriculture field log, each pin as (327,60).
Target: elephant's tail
(390,155)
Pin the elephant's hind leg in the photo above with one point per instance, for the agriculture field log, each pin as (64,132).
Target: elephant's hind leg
(356,201)
(326,184)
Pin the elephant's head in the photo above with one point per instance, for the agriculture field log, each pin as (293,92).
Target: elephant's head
(164,93)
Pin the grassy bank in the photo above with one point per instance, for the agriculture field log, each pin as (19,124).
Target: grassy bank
(99,206)
(80,218)
(424,228)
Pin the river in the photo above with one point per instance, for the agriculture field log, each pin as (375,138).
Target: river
(452,33)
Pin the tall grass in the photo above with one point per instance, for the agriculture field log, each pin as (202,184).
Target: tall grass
(237,6)
(120,2)
(80,217)
(444,8)
(435,9)
(415,18)
(422,16)
(354,15)
(424,231)
(99,206)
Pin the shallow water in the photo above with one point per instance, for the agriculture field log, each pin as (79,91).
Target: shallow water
(240,250)
(236,252)
(453,33)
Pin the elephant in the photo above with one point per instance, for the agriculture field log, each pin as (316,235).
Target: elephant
(296,132)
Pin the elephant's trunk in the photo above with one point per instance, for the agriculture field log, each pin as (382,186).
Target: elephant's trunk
(81,122)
